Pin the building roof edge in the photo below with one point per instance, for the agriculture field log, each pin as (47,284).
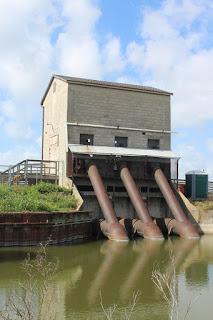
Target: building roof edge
(105,84)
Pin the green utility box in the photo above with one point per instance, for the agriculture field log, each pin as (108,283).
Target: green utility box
(197,185)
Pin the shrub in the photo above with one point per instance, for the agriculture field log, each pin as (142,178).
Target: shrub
(40,197)
(44,187)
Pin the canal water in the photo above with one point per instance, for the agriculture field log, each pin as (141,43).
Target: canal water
(97,277)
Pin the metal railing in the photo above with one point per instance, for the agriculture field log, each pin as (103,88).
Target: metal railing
(3,167)
(183,182)
(210,187)
(30,169)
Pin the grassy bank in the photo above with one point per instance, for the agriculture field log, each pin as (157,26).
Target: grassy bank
(204,206)
(40,197)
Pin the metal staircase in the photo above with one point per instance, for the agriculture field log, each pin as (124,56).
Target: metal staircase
(30,172)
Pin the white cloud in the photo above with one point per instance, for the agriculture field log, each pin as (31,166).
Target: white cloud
(192,159)
(39,141)
(25,29)
(168,55)
(112,57)
(209,144)
(41,37)
(78,52)
(25,45)
(14,122)
(126,79)
(135,54)
(17,154)
(172,58)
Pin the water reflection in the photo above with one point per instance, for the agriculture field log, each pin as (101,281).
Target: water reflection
(180,249)
(118,270)
(146,251)
(112,252)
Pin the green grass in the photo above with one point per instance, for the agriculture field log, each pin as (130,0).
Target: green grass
(40,197)
(203,206)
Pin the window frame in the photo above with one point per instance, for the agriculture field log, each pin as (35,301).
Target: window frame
(88,136)
(152,140)
(117,144)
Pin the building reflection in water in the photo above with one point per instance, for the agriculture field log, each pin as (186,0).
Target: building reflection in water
(196,264)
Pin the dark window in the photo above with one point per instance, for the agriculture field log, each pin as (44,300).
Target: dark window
(153,144)
(144,189)
(154,189)
(120,189)
(85,188)
(121,142)
(86,139)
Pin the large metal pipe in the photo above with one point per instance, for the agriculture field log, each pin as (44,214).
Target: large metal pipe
(181,224)
(145,226)
(110,227)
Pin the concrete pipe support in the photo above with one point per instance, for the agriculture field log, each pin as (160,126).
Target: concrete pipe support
(180,225)
(110,226)
(145,226)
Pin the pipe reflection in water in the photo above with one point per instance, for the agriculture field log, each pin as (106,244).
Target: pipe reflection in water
(146,250)
(195,265)
(80,266)
(179,250)
(201,253)
(112,252)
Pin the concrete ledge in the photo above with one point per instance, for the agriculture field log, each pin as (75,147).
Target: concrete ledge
(207,228)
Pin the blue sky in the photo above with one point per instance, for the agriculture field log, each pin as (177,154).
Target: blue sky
(166,44)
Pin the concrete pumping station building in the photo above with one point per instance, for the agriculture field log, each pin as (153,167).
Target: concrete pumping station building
(113,145)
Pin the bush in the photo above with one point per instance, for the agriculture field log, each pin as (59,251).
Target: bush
(44,187)
(40,197)
(204,206)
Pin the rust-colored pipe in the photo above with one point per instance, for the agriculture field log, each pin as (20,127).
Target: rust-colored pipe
(181,223)
(145,226)
(110,227)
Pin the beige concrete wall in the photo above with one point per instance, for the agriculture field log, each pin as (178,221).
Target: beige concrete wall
(55,130)
(107,106)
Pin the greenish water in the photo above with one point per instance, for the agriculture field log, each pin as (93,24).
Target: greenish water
(116,271)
